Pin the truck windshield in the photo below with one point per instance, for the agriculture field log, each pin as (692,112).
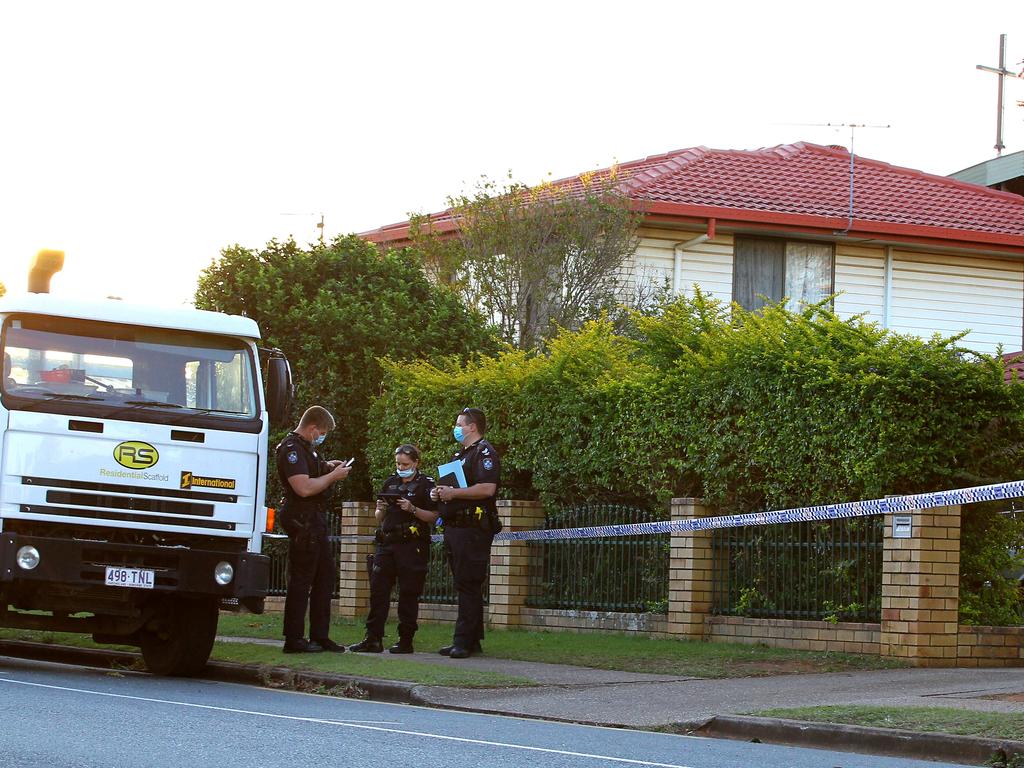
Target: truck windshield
(53,359)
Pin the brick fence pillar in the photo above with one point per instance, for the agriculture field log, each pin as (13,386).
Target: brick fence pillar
(354,588)
(509,576)
(921,588)
(689,573)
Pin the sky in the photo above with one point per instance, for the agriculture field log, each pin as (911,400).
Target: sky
(142,138)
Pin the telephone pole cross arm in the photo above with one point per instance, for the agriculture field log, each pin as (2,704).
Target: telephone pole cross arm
(1002,71)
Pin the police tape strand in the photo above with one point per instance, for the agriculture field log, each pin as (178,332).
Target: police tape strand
(823,512)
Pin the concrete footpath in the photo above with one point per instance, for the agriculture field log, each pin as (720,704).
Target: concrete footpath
(681,704)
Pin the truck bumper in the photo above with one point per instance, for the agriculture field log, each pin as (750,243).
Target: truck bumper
(75,563)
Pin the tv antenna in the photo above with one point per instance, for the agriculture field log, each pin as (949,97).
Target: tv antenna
(1003,73)
(853,128)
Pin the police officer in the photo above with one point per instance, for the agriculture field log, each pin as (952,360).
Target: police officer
(405,512)
(307,480)
(470,517)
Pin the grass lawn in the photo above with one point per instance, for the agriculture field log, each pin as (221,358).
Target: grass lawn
(620,651)
(358,665)
(959,722)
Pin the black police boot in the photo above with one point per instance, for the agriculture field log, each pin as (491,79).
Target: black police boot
(368,645)
(470,649)
(404,645)
(327,644)
(301,645)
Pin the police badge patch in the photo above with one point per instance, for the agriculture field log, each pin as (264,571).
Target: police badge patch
(488,464)
(293,457)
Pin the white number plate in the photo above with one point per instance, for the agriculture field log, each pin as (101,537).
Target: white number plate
(139,578)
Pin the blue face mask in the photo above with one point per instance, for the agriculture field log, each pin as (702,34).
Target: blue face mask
(458,434)
(320,440)
(406,472)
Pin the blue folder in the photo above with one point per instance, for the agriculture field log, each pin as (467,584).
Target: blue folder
(451,474)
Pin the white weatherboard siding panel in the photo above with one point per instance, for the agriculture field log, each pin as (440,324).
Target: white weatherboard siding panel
(653,264)
(707,264)
(949,294)
(860,276)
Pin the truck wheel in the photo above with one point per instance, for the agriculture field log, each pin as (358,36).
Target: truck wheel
(179,640)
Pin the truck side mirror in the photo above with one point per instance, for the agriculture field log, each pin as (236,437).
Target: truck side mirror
(279,390)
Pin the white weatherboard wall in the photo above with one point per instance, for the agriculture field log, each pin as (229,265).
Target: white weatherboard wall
(934,293)
(707,264)
(930,293)
(860,282)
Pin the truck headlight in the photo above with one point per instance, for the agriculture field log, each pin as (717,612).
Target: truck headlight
(28,558)
(223,573)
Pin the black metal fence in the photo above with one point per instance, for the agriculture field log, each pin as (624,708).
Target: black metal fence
(277,551)
(815,571)
(614,573)
(440,587)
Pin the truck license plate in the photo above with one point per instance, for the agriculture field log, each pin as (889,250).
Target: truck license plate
(138,578)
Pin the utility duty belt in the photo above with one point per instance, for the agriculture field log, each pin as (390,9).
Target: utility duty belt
(465,518)
(413,530)
(299,516)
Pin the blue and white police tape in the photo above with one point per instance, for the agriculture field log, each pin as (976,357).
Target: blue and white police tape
(918,501)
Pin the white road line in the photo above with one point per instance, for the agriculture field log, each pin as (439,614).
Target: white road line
(358,724)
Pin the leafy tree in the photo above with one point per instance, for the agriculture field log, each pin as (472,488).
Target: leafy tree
(536,259)
(335,310)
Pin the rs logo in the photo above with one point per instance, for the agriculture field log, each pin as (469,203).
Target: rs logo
(136,455)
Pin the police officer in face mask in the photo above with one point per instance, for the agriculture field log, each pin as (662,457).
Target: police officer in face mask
(307,480)
(470,517)
(405,513)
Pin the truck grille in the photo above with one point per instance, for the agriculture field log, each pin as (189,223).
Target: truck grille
(110,501)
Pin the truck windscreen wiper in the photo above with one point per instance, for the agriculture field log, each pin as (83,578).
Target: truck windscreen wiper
(45,396)
(154,403)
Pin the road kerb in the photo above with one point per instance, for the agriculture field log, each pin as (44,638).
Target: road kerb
(857,738)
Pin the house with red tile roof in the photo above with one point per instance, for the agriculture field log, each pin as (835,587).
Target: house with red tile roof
(913,252)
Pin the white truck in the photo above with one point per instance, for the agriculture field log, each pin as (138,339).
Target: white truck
(133,459)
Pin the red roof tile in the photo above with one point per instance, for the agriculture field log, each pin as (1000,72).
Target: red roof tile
(807,185)
(1013,366)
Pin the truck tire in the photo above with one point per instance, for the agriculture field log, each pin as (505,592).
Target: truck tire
(179,640)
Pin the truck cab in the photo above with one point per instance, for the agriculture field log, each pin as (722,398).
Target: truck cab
(132,472)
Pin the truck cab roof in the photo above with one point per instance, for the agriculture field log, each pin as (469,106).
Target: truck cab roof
(117,311)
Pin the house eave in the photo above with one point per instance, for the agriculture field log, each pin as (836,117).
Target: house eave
(835,227)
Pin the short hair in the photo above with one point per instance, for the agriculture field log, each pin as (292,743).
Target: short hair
(475,416)
(317,416)
(408,449)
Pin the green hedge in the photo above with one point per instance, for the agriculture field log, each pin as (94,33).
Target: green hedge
(750,411)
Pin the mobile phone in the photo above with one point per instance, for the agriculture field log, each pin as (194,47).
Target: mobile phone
(350,462)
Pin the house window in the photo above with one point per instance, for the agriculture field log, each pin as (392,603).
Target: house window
(767,270)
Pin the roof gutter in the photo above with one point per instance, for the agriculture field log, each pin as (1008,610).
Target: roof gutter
(677,253)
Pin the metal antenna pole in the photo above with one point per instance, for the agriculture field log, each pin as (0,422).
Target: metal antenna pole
(1002,72)
(853,127)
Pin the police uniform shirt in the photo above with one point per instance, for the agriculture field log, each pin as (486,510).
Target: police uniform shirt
(296,456)
(480,464)
(417,491)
